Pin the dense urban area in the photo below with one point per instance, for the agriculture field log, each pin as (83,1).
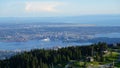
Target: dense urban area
(68,33)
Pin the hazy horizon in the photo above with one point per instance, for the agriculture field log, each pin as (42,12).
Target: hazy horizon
(98,20)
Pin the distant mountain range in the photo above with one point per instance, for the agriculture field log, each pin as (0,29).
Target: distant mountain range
(100,20)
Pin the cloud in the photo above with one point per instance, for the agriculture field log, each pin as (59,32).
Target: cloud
(42,6)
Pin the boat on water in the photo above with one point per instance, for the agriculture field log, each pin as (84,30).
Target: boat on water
(46,39)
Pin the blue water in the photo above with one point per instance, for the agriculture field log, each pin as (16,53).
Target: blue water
(109,35)
(35,44)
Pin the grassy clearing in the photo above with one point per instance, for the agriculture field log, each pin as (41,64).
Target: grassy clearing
(95,63)
(111,57)
(81,64)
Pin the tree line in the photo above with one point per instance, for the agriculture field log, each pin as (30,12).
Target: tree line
(48,58)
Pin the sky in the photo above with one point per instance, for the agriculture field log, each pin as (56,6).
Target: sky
(58,8)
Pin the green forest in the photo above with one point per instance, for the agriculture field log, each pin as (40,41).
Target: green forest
(50,58)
